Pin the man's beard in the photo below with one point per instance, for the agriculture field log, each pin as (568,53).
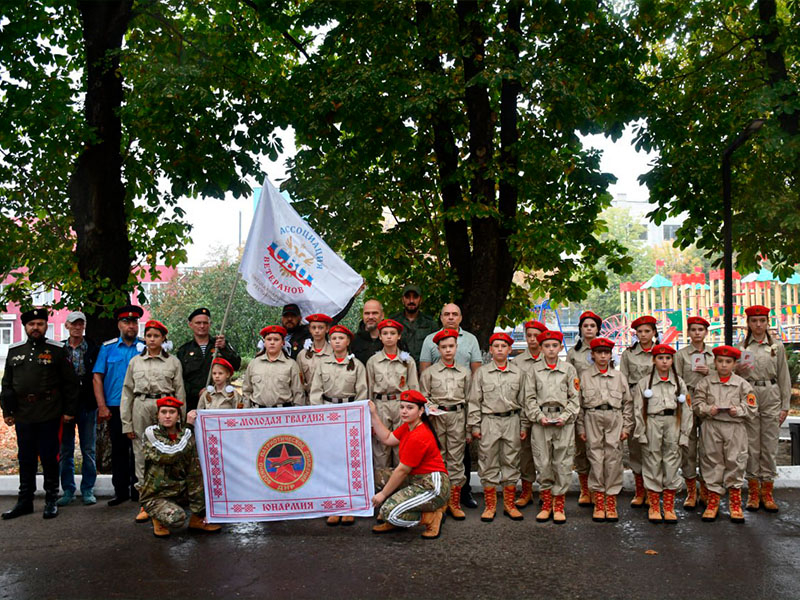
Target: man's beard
(412,309)
(370,326)
(128,337)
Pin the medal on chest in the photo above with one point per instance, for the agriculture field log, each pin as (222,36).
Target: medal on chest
(45,358)
(402,380)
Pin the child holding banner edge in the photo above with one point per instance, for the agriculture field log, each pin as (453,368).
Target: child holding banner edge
(425,497)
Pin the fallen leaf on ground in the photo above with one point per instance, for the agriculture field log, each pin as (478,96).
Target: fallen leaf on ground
(651,552)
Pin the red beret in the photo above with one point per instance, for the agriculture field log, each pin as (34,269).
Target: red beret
(444,334)
(698,321)
(599,343)
(413,396)
(662,349)
(223,363)
(390,323)
(168,401)
(536,325)
(153,324)
(341,329)
(274,329)
(734,353)
(319,318)
(645,320)
(550,335)
(590,315)
(757,310)
(503,337)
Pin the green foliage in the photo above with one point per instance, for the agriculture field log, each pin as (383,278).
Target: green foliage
(197,120)
(713,67)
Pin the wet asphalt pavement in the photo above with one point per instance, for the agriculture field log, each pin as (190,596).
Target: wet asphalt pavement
(99,552)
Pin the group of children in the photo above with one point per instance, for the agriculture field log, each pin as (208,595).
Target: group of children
(696,415)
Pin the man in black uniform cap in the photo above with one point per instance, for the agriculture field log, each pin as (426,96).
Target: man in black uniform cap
(39,387)
(196,355)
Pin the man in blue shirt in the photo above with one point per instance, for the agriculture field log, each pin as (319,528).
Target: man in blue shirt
(109,373)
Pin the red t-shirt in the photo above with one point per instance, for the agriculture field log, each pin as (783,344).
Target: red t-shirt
(418,450)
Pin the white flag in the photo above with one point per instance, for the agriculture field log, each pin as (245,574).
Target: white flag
(285,261)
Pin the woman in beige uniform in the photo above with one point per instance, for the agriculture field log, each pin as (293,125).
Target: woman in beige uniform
(389,372)
(663,421)
(635,363)
(316,347)
(693,362)
(580,357)
(339,378)
(272,379)
(151,375)
(769,376)
(604,422)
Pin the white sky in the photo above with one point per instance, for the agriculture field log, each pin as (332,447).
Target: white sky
(216,222)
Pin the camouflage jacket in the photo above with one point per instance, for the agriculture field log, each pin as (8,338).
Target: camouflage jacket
(171,467)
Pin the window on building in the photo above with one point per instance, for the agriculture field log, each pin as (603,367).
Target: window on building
(149,288)
(42,297)
(670,231)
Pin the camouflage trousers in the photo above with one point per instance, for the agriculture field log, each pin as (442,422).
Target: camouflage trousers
(167,512)
(424,493)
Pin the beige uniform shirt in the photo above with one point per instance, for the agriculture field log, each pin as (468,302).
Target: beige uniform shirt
(737,393)
(558,386)
(332,379)
(635,363)
(151,377)
(219,400)
(391,376)
(769,364)
(446,386)
(307,363)
(526,361)
(268,383)
(609,388)
(664,398)
(580,359)
(683,364)
(494,391)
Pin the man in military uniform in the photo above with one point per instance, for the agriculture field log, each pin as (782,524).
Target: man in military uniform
(196,356)
(172,476)
(416,324)
(39,387)
(109,374)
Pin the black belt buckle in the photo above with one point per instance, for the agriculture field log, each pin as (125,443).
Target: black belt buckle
(604,407)
(667,412)
(453,408)
(508,413)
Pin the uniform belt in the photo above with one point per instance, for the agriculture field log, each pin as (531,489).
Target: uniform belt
(282,405)
(387,396)
(46,395)
(153,396)
(551,409)
(765,382)
(454,408)
(667,412)
(337,400)
(603,407)
(508,413)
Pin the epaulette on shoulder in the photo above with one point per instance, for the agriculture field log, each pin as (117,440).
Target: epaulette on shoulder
(17,345)
(55,343)
(111,341)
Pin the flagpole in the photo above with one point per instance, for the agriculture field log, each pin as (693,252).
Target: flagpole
(224,320)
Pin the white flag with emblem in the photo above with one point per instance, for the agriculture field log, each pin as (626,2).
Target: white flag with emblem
(285,261)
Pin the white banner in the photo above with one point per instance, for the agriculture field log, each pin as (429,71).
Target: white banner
(285,261)
(286,463)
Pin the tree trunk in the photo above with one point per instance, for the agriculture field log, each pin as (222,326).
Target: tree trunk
(96,190)
(775,63)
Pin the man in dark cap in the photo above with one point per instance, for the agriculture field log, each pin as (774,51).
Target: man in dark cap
(416,324)
(197,354)
(39,388)
(109,373)
(296,331)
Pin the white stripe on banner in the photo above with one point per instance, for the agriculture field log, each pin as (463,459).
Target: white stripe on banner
(286,463)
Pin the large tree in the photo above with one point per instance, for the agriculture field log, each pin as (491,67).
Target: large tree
(439,144)
(109,112)
(714,67)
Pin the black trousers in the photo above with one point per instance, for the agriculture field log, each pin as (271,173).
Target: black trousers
(123,473)
(38,441)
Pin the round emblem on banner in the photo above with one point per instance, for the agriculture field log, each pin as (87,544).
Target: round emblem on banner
(285,463)
(292,261)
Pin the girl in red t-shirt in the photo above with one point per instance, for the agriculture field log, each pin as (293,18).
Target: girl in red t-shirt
(425,497)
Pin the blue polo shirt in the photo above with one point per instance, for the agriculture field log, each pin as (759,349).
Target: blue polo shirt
(112,363)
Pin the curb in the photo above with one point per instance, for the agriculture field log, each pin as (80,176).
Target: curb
(788,477)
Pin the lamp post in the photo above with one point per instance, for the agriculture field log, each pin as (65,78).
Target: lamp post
(727,222)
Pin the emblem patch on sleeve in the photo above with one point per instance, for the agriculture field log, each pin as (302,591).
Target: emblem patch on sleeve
(577,384)
(751,400)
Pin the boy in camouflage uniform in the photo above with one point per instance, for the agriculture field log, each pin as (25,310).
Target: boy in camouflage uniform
(172,475)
